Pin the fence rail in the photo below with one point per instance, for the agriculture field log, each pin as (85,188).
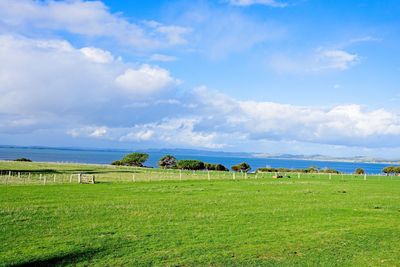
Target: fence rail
(9,177)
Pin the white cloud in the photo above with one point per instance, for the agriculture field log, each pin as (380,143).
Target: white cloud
(97,55)
(218,33)
(167,132)
(99,132)
(174,34)
(138,136)
(364,39)
(162,58)
(91,19)
(68,91)
(219,121)
(145,80)
(339,125)
(317,61)
(50,82)
(271,3)
(336,59)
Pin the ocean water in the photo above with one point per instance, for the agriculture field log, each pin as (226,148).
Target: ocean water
(108,156)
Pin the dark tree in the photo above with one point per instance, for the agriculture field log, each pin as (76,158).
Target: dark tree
(359,171)
(167,162)
(241,167)
(133,159)
(215,167)
(391,170)
(23,159)
(191,165)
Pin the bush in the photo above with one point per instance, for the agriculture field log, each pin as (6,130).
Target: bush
(167,162)
(329,171)
(133,159)
(215,167)
(359,171)
(23,159)
(117,163)
(220,167)
(190,164)
(308,170)
(391,170)
(242,167)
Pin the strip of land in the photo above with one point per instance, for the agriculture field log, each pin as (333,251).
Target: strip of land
(202,218)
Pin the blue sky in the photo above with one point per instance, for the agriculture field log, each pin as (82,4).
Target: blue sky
(295,76)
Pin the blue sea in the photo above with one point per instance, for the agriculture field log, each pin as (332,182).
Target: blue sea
(107,156)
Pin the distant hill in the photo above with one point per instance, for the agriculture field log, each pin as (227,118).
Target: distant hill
(198,152)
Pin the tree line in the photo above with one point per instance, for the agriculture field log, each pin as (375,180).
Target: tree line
(137,159)
(391,170)
(170,162)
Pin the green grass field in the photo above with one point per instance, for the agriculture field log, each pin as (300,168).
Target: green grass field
(163,219)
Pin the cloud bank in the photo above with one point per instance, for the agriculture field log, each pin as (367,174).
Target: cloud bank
(75,88)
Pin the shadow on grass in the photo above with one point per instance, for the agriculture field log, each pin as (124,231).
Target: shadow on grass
(63,259)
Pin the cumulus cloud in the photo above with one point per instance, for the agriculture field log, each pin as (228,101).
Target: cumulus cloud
(85,18)
(50,80)
(166,132)
(97,55)
(125,102)
(219,121)
(48,84)
(338,125)
(271,3)
(146,79)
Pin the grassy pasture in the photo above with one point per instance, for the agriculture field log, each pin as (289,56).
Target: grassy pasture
(160,220)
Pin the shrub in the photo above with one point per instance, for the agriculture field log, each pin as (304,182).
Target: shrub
(359,171)
(242,167)
(167,162)
(215,167)
(187,164)
(117,163)
(133,159)
(23,159)
(391,170)
(308,170)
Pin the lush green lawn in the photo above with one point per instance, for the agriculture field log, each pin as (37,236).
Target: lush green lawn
(309,221)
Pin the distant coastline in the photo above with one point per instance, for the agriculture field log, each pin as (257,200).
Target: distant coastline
(199,152)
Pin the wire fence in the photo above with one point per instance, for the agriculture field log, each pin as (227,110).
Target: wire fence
(8,177)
